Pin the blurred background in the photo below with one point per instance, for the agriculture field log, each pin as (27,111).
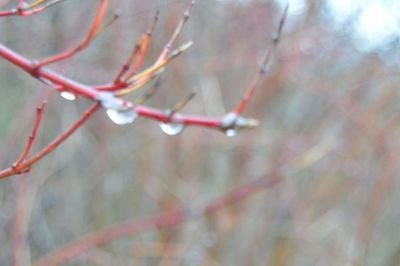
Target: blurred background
(329,128)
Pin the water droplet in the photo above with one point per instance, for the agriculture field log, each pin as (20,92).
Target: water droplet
(231,132)
(122,117)
(172,128)
(68,95)
(228,120)
(109,101)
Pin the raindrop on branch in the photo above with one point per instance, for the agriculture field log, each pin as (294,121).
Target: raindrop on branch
(122,117)
(172,128)
(231,132)
(68,95)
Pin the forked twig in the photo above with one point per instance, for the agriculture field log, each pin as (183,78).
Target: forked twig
(167,49)
(24,165)
(144,76)
(23,9)
(31,139)
(94,28)
(141,47)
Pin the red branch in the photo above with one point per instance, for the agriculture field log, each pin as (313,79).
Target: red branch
(47,74)
(178,30)
(141,47)
(23,11)
(85,42)
(166,219)
(125,82)
(32,137)
(265,61)
(51,146)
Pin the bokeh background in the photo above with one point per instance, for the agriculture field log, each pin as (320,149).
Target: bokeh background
(329,114)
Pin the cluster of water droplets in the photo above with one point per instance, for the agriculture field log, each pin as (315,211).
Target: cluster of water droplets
(122,113)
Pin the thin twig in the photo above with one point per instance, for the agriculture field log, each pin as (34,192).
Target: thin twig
(32,137)
(266,59)
(141,46)
(107,24)
(94,27)
(181,104)
(24,9)
(147,74)
(51,146)
(149,93)
(167,49)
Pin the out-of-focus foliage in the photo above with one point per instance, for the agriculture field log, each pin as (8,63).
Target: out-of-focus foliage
(329,113)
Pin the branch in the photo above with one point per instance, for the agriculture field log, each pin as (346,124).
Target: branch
(143,77)
(265,61)
(167,49)
(25,165)
(47,74)
(141,47)
(94,28)
(108,96)
(163,220)
(23,9)
(32,137)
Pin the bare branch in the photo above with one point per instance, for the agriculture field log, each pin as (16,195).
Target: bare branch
(32,137)
(23,9)
(141,46)
(126,81)
(94,28)
(265,61)
(23,166)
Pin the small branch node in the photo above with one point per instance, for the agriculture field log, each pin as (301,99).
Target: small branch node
(234,121)
(35,66)
(109,101)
